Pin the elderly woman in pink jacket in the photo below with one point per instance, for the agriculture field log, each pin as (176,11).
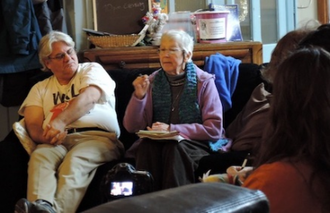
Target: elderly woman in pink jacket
(178,97)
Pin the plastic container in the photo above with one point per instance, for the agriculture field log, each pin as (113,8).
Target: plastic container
(211,26)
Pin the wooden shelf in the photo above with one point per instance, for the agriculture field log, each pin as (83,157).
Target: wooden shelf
(147,56)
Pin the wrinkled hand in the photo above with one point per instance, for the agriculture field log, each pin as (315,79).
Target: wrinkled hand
(159,126)
(141,85)
(241,173)
(53,135)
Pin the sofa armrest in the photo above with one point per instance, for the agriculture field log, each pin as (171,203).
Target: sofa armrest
(199,197)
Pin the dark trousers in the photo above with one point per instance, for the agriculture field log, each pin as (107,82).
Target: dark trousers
(170,163)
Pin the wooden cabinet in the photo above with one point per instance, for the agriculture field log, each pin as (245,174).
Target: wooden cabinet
(147,56)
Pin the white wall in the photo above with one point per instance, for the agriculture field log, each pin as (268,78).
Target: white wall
(79,15)
(306,12)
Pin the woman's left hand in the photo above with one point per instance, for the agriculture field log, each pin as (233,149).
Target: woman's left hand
(242,173)
(159,126)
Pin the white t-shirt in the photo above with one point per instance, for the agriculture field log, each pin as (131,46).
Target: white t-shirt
(53,98)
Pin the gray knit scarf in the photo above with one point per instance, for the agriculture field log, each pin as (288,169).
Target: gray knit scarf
(189,110)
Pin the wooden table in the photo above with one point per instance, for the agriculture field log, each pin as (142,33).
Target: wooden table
(147,56)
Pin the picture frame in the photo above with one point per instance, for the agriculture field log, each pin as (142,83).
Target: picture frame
(163,5)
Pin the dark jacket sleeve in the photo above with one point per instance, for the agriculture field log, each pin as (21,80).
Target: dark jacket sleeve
(20,26)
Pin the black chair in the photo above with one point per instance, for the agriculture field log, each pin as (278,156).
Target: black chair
(199,197)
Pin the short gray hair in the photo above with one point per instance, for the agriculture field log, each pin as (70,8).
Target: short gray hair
(45,45)
(186,42)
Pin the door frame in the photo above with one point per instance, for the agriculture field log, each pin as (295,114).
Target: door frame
(323,11)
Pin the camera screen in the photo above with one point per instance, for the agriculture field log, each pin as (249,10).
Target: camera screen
(121,188)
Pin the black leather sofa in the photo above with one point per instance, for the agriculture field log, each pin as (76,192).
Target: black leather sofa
(13,158)
(192,198)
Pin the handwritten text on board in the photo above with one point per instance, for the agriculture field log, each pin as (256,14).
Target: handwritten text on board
(139,5)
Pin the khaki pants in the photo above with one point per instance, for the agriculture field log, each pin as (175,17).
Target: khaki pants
(61,174)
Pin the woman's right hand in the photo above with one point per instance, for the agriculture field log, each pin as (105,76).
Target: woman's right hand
(141,85)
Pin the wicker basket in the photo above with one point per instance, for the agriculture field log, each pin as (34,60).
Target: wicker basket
(115,40)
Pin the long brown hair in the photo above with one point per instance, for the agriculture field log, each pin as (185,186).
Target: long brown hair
(319,37)
(299,127)
(284,47)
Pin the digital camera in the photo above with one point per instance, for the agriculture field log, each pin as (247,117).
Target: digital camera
(123,181)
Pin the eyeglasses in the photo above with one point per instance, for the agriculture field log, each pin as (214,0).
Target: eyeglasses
(60,56)
(168,51)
